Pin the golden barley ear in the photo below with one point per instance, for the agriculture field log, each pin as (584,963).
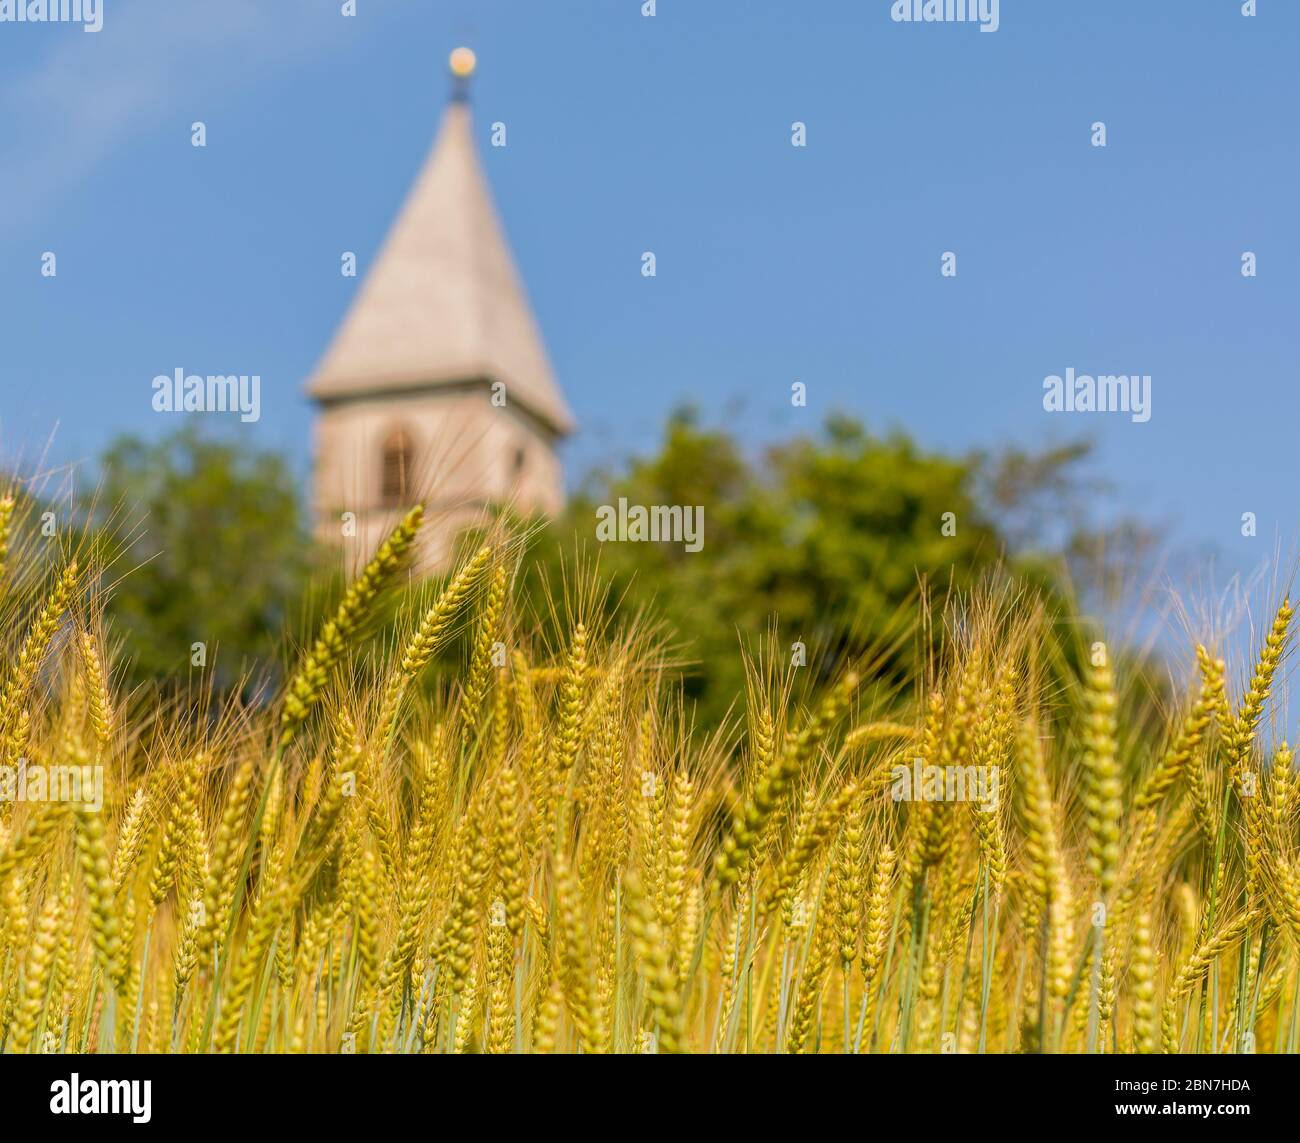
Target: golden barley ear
(97,692)
(7,503)
(1103,803)
(32,653)
(772,784)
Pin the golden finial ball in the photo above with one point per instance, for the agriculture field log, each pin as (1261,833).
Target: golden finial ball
(462,63)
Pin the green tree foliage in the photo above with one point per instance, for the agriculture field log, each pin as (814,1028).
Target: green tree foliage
(832,535)
(212,546)
(834,540)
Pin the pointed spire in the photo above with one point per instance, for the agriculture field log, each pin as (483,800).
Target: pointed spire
(443,303)
(462,63)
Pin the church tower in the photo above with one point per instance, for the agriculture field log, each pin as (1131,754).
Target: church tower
(436,387)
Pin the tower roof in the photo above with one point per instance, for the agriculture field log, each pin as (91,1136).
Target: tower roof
(443,303)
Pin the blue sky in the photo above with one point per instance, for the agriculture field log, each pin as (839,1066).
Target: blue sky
(672,134)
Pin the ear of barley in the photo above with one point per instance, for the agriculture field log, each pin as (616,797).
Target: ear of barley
(576,959)
(811,836)
(185,958)
(38,830)
(14,747)
(223,865)
(1103,797)
(273,813)
(62,983)
(677,853)
(243,976)
(925,836)
(1243,728)
(1142,973)
(353,760)
(367,920)
(429,636)
(456,938)
(501,978)
(13,898)
(97,879)
(331,645)
(1047,868)
(531,754)
(762,742)
(652,947)
(969,708)
(7,503)
(546,1025)
(850,853)
(811,982)
(1105,986)
(1196,966)
(32,652)
(487,632)
(875,933)
(469,1003)
(572,687)
(509,852)
(1280,804)
(176,825)
(994,740)
(1183,751)
(1283,890)
(100,701)
(877,732)
(131,838)
(1239,736)
(429,811)
(36,974)
(771,786)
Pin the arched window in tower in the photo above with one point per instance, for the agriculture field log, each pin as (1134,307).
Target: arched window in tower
(395,471)
(520,461)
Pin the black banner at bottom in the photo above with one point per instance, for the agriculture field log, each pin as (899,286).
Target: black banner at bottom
(340,1091)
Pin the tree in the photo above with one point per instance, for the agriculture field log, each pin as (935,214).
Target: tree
(212,548)
(831,539)
(828,535)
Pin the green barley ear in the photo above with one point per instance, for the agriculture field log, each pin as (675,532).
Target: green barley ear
(433,629)
(332,643)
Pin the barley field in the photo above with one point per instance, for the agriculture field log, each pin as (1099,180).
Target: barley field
(541,856)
